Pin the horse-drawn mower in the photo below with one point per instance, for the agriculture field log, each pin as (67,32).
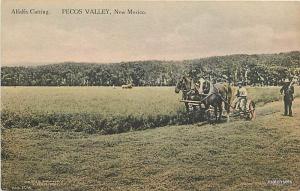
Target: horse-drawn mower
(210,100)
(246,112)
(199,107)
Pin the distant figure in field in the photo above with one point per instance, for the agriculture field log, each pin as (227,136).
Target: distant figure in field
(127,86)
(241,97)
(288,90)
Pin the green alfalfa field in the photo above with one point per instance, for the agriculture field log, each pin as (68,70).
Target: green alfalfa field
(103,110)
(240,155)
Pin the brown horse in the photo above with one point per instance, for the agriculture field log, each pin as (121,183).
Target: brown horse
(185,85)
(211,95)
(215,95)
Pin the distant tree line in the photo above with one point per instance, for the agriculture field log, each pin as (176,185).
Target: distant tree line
(258,69)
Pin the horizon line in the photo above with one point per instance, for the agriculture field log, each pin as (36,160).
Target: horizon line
(35,64)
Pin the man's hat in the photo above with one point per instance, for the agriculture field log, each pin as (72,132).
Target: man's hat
(240,82)
(286,80)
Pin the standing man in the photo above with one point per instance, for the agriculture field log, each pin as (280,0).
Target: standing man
(288,90)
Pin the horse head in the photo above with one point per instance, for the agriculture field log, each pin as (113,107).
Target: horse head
(184,84)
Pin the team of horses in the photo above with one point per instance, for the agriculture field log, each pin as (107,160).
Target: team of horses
(217,95)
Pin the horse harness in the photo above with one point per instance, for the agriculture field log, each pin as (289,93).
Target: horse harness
(212,93)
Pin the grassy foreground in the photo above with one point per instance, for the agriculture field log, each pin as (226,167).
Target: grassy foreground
(239,155)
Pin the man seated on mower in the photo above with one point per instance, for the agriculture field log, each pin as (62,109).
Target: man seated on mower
(240,101)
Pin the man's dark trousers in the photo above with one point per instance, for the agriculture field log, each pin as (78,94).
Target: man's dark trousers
(288,105)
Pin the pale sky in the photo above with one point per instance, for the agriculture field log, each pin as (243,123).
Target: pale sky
(168,31)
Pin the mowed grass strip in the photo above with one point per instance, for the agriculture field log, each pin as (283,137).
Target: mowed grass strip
(241,155)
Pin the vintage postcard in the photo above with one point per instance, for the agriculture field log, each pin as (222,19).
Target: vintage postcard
(150,95)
